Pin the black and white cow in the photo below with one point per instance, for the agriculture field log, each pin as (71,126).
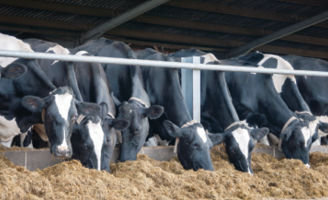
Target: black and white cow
(128,90)
(163,88)
(312,88)
(286,87)
(94,136)
(38,74)
(9,128)
(256,94)
(219,115)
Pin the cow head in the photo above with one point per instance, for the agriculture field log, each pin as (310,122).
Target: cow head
(94,137)
(240,140)
(58,113)
(194,145)
(133,138)
(297,138)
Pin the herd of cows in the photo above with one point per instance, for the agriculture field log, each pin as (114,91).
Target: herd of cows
(83,110)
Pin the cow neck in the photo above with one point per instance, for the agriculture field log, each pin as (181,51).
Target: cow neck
(138,92)
(40,73)
(293,97)
(173,100)
(276,110)
(231,115)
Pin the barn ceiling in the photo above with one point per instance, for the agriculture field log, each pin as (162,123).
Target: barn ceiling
(218,26)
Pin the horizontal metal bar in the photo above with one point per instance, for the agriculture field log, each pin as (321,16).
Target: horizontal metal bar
(152,63)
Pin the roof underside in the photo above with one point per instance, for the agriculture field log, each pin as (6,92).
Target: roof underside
(212,25)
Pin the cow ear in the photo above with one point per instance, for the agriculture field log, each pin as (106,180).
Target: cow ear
(259,133)
(216,138)
(172,129)
(88,108)
(323,127)
(153,112)
(33,103)
(14,71)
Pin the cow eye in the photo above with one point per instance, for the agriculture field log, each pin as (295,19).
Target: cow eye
(196,146)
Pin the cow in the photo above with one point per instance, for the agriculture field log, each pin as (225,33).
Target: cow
(286,87)
(61,73)
(164,88)
(311,88)
(218,114)
(128,91)
(255,93)
(9,128)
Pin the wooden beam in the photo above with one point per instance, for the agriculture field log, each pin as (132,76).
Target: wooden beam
(279,34)
(214,43)
(120,19)
(59,7)
(307,2)
(168,45)
(187,24)
(295,51)
(173,38)
(39,30)
(43,23)
(238,11)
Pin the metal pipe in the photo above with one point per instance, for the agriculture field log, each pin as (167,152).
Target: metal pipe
(278,34)
(116,21)
(152,63)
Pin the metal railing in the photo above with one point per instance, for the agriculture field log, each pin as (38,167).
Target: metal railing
(151,63)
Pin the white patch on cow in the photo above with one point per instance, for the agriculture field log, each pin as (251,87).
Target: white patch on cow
(278,79)
(12,43)
(323,118)
(306,135)
(97,137)
(202,134)
(57,49)
(81,53)
(309,131)
(210,58)
(63,146)
(8,130)
(63,103)
(242,138)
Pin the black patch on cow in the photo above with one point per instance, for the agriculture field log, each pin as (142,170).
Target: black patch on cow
(251,58)
(14,70)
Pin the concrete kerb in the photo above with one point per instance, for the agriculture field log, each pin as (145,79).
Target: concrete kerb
(38,159)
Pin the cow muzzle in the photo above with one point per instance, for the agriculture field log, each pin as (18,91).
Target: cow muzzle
(63,151)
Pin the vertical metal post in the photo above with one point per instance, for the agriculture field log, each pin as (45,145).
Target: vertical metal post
(190,83)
